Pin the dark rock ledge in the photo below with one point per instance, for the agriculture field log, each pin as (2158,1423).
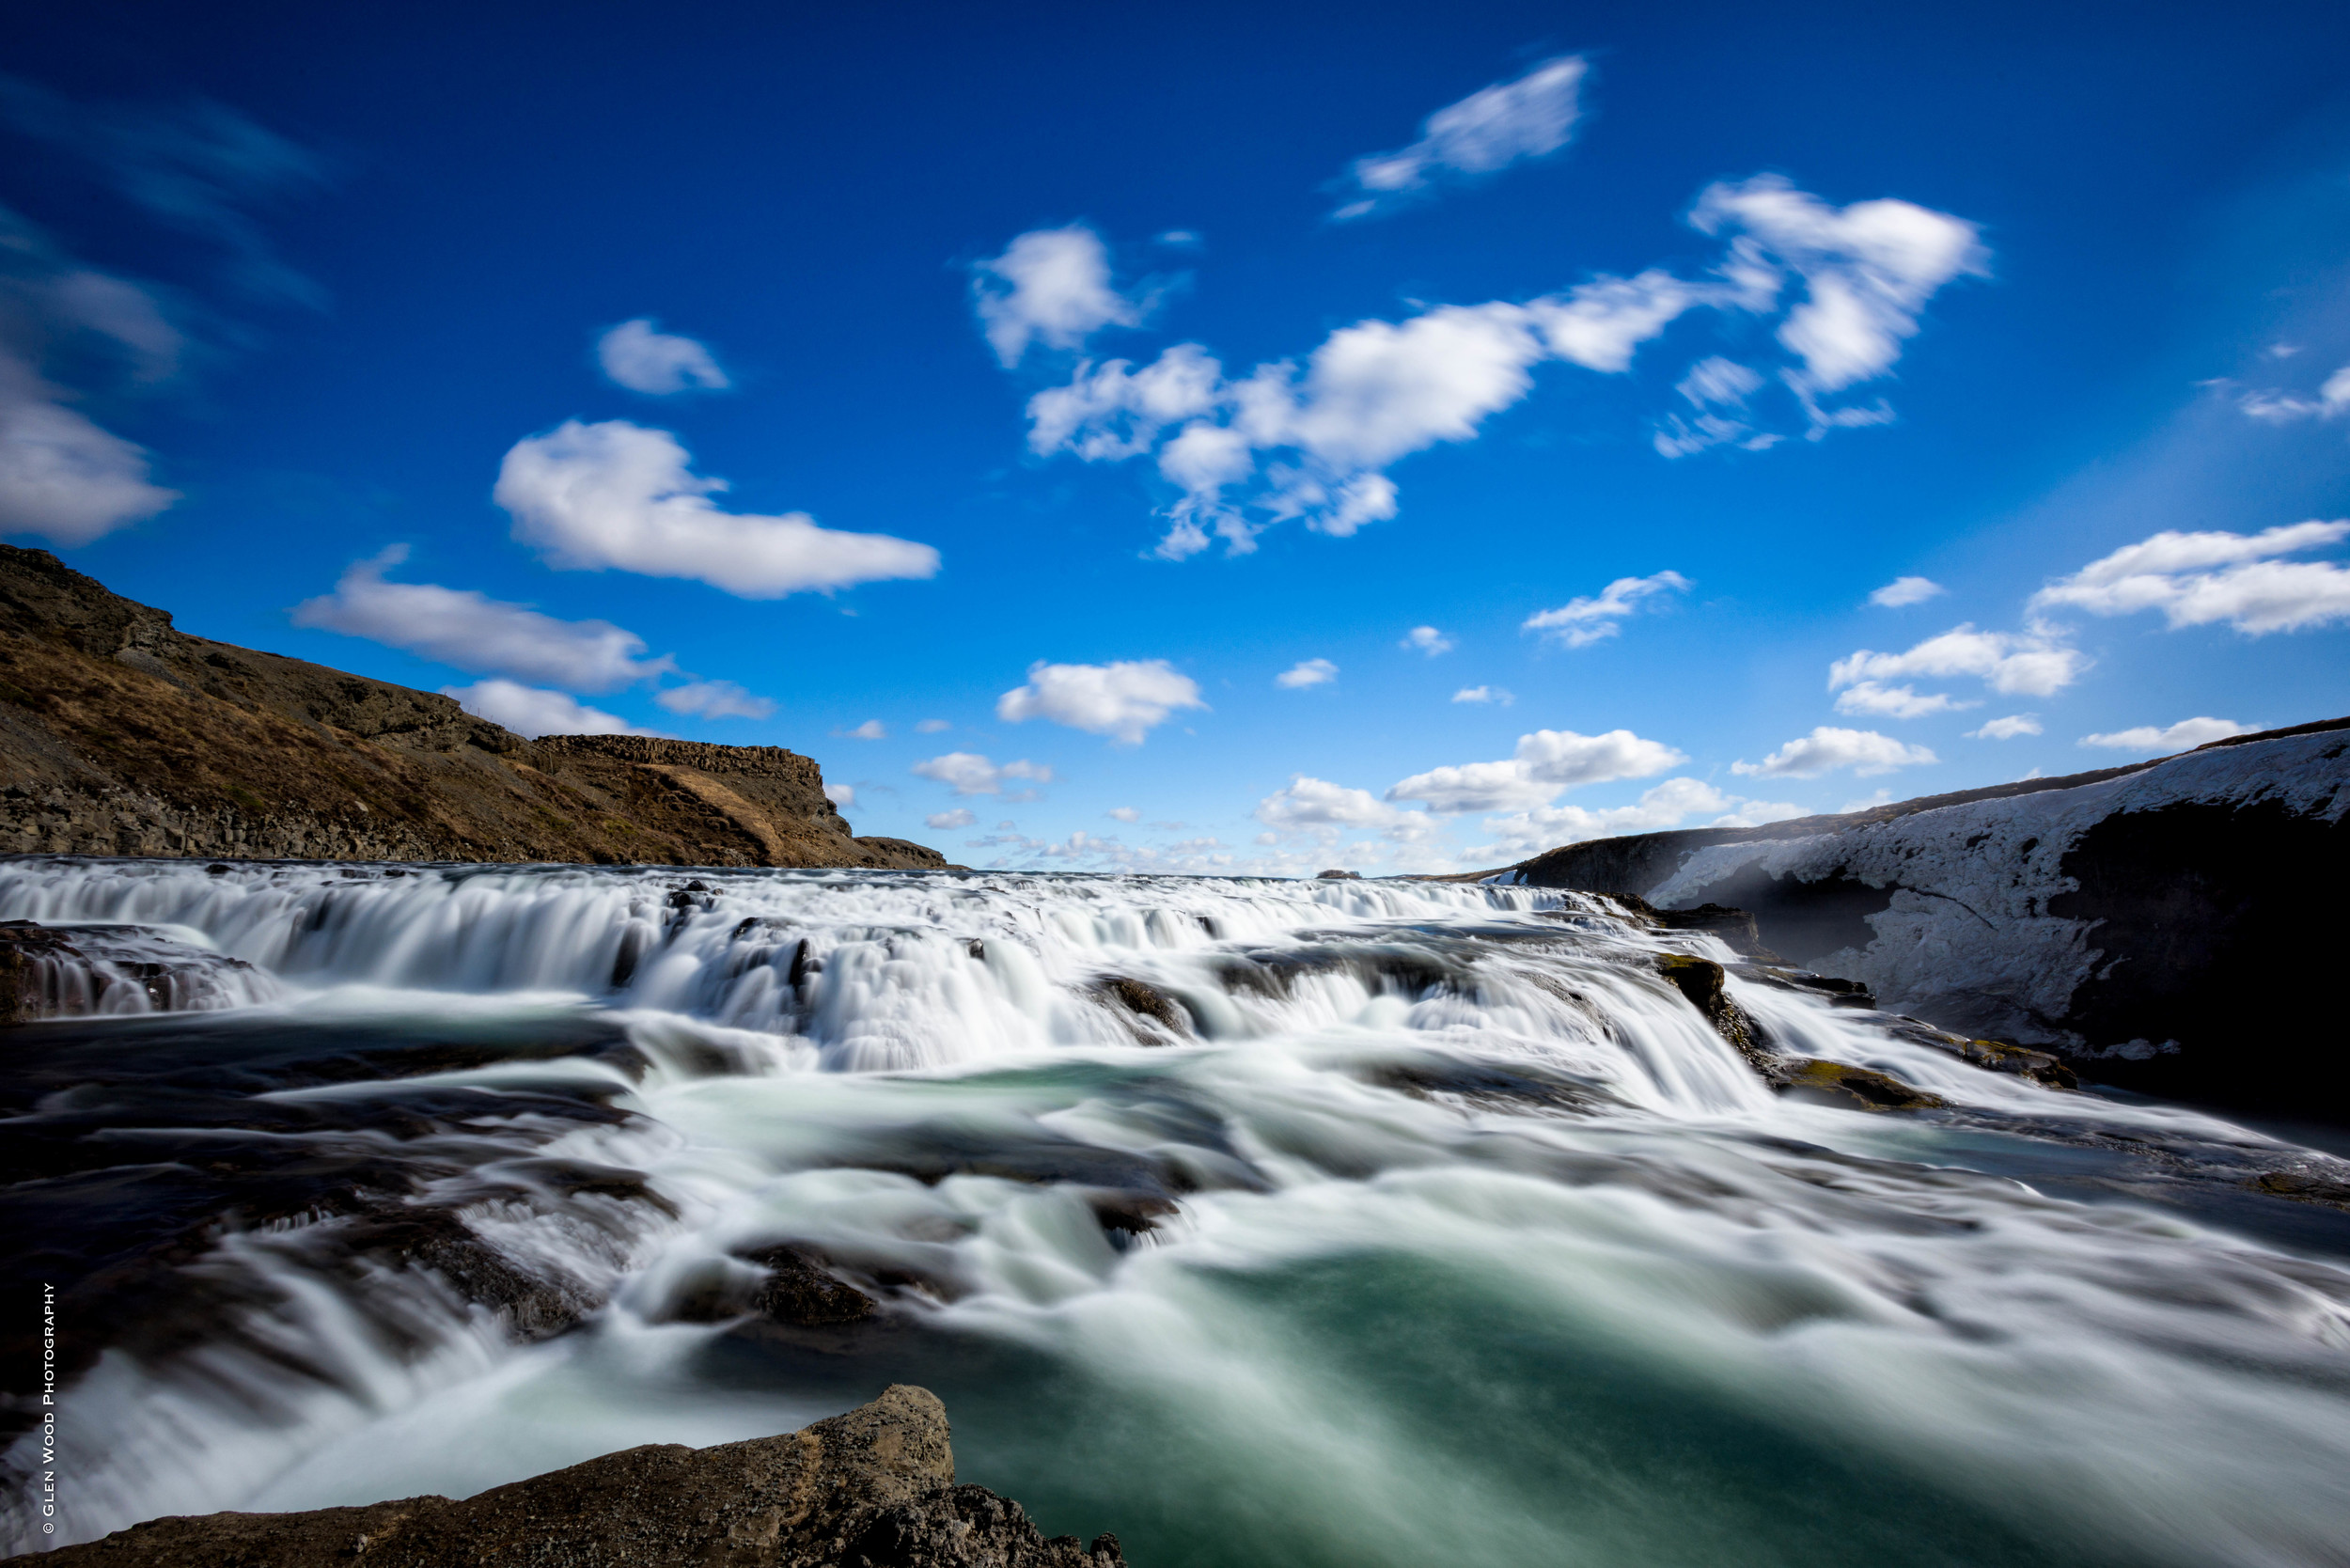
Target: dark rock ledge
(873,1488)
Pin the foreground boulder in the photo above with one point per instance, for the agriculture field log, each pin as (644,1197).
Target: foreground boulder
(2159,926)
(121,734)
(874,1488)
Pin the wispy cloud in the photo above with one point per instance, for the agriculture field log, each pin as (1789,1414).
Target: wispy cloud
(1529,115)
(2186,735)
(473,632)
(715,700)
(1426,639)
(1580,622)
(1307,672)
(1904,591)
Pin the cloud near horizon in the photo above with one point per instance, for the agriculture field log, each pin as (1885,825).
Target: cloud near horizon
(715,699)
(1546,762)
(967,773)
(2186,735)
(1829,748)
(531,712)
(482,636)
(1529,115)
(620,495)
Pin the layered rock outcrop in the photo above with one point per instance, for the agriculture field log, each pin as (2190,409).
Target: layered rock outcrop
(2156,924)
(873,1488)
(121,734)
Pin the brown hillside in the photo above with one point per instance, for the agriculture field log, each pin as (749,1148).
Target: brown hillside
(123,735)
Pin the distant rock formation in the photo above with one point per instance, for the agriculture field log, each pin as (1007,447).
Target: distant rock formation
(2160,925)
(123,735)
(871,1488)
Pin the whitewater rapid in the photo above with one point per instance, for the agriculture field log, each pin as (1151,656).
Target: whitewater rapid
(1328,1222)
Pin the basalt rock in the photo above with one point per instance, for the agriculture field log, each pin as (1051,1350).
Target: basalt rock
(873,1488)
(121,734)
(1704,982)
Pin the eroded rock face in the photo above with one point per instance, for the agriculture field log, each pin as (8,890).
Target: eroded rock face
(873,1488)
(121,734)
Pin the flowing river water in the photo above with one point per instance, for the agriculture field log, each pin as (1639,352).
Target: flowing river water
(1260,1222)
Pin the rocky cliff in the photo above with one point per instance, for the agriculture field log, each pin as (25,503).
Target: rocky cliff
(121,734)
(2162,925)
(873,1488)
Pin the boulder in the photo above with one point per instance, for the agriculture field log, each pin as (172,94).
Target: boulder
(871,1488)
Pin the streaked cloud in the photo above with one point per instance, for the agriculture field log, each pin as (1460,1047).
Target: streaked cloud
(2186,735)
(1529,115)
(1580,623)
(617,496)
(715,699)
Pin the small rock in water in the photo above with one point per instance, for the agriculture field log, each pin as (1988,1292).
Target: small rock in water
(1335,874)
(1870,1089)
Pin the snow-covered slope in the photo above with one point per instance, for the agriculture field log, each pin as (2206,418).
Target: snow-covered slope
(2178,911)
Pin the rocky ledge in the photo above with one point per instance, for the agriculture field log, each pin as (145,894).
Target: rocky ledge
(874,1488)
(2159,926)
(121,734)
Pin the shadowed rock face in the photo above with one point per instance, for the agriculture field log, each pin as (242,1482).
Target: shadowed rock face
(874,1488)
(123,735)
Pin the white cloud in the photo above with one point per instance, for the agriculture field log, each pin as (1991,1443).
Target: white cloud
(1895,701)
(534,711)
(1324,811)
(1876,798)
(1547,762)
(871,730)
(1580,622)
(2197,578)
(970,773)
(62,476)
(2007,728)
(1051,286)
(1123,814)
(2035,665)
(643,360)
(948,821)
(1527,116)
(841,795)
(1906,591)
(1122,699)
(933,727)
(1426,639)
(2186,735)
(1313,443)
(1717,389)
(618,494)
(1666,806)
(1307,672)
(2278,408)
(473,632)
(715,700)
(1829,748)
(1868,269)
(1484,694)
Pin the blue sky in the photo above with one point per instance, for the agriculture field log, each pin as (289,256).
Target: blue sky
(1256,439)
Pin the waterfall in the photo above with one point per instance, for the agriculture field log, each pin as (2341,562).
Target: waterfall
(1374,1222)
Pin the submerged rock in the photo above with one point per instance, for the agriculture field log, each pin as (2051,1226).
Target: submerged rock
(871,1488)
(1862,1086)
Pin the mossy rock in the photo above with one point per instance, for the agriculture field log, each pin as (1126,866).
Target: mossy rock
(1706,986)
(1861,1086)
(2039,1066)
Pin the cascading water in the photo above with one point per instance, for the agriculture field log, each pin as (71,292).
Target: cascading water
(1345,1223)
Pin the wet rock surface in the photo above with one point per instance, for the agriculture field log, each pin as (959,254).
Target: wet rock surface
(873,1488)
(121,735)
